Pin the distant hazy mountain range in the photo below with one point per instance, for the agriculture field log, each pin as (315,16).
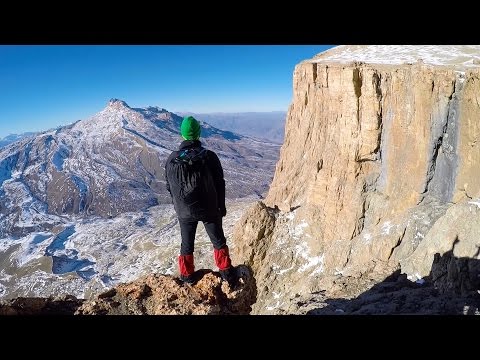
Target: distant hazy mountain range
(265,125)
(14,137)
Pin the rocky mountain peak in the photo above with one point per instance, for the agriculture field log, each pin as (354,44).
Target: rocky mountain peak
(117,104)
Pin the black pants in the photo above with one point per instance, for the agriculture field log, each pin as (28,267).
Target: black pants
(188,229)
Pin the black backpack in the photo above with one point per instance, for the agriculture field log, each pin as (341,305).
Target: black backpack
(192,176)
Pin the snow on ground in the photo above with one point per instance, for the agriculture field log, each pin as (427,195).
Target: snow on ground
(476,203)
(419,235)
(386,227)
(299,229)
(367,238)
(290,215)
(416,278)
(7,243)
(6,167)
(30,211)
(283,271)
(97,253)
(59,157)
(302,258)
(33,247)
(338,272)
(316,261)
(277,305)
(303,250)
(296,229)
(89,255)
(277,297)
(460,56)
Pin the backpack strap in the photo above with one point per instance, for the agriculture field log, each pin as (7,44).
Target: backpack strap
(190,156)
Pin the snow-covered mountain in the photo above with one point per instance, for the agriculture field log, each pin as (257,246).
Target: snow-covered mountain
(84,206)
(113,163)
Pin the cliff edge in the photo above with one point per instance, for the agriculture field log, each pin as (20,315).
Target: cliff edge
(151,295)
(378,173)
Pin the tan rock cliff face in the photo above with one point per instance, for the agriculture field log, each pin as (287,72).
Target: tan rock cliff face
(375,152)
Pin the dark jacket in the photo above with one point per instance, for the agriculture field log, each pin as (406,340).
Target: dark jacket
(209,203)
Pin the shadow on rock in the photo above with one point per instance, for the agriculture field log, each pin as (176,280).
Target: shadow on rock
(452,288)
(66,305)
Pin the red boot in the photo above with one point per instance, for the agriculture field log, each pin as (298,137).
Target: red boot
(224,263)
(186,267)
(222,258)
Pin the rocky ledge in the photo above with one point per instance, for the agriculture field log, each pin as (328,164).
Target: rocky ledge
(151,295)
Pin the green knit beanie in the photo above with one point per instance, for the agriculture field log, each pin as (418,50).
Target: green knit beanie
(190,128)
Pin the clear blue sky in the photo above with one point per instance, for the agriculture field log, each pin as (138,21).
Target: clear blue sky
(45,86)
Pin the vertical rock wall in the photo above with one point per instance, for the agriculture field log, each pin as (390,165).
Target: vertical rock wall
(373,155)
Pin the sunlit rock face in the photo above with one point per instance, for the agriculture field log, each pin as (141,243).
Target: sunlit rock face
(380,141)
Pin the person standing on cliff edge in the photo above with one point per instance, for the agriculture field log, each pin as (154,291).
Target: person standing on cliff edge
(194,179)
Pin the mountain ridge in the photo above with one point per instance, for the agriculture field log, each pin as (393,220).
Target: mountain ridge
(113,162)
(84,206)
